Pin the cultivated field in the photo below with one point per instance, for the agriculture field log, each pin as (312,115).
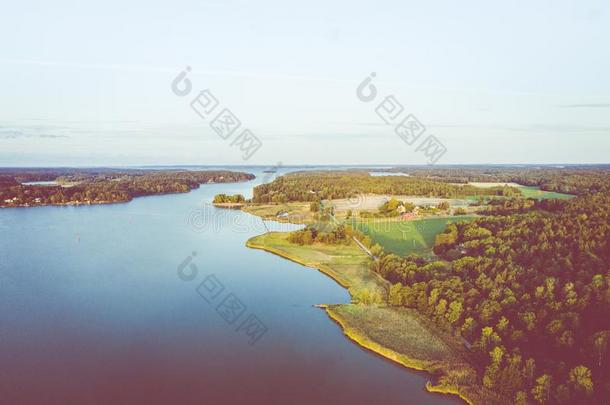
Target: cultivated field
(371,202)
(535,192)
(405,237)
(346,264)
(527,191)
(296,212)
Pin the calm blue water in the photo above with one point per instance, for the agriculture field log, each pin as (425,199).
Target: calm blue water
(92,312)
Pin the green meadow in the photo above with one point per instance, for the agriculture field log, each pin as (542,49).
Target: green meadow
(526,191)
(535,192)
(405,237)
(346,264)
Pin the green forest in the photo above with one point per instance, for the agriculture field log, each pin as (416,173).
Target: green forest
(569,180)
(525,286)
(309,235)
(316,186)
(529,292)
(91,186)
(228,199)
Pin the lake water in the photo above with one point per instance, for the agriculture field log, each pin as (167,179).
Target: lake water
(93,312)
(40,183)
(380,174)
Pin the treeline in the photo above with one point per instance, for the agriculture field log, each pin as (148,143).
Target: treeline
(228,199)
(25,174)
(573,180)
(309,235)
(317,186)
(529,293)
(390,208)
(101,186)
(521,205)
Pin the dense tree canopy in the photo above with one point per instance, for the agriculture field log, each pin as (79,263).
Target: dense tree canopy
(97,186)
(316,186)
(530,291)
(228,199)
(309,235)
(570,180)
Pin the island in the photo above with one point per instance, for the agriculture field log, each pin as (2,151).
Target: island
(500,290)
(236,201)
(39,186)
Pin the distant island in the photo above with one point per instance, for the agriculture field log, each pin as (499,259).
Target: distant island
(35,187)
(229,201)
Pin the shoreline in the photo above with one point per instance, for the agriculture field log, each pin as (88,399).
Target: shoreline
(361,339)
(401,359)
(230,206)
(107,202)
(297,260)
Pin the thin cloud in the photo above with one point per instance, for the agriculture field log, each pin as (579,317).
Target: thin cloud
(560,128)
(588,105)
(169,69)
(18,134)
(259,75)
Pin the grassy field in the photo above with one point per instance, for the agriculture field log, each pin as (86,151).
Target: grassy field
(398,329)
(346,264)
(405,237)
(398,334)
(298,212)
(527,191)
(371,202)
(403,336)
(535,192)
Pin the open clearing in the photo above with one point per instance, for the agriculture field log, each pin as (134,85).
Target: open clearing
(405,237)
(372,202)
(399,329)
(296,212)
(346,264)
(527,191)
(535,192)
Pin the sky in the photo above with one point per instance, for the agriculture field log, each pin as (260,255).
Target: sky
(90,83)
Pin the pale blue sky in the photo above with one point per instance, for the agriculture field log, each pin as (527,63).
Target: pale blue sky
(509,82)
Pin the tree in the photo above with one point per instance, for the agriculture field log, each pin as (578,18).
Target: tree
(502,324)
(433,298)
(510,376)
(363,297)
(521,398)
(542,390)
(490,378)
(455,312)
(529,318)
(443,205)
(488,338)
(445,240)
(580,379)
(307,237)
(528,371)
(467,327)
(395,297)
(600,339)
(222,198)
(376,250)
(441,307)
